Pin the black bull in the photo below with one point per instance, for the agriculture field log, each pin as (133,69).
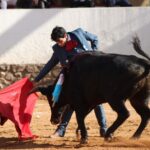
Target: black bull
(95,78)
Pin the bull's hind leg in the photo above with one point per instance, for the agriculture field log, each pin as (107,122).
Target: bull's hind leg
(140,104)
(122,113)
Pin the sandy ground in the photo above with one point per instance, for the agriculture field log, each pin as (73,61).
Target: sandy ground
(42,127)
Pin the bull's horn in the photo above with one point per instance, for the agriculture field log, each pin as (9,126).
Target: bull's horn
(53,104)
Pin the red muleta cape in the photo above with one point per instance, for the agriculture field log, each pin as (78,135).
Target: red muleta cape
(17,105)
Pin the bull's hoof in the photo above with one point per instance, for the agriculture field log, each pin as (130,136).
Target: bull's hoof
(135,137)
(108,138)
(83,141)
(78,135)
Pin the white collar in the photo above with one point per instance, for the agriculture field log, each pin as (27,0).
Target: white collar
(68,37)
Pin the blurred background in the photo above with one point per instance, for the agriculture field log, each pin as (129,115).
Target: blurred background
(63,3)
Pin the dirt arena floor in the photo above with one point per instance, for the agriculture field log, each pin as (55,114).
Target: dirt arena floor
(42,127)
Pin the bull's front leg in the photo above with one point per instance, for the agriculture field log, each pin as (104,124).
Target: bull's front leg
(81,125)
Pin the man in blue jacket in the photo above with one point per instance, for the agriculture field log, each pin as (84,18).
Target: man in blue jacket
(69,44)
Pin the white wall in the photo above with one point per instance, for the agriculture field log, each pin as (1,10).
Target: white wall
(25,34)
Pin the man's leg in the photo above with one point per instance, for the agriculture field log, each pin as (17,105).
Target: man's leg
(101,118)
(61,129)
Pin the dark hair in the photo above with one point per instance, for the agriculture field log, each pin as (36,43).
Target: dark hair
(57,32)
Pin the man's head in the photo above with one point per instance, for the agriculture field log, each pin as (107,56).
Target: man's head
(59,35)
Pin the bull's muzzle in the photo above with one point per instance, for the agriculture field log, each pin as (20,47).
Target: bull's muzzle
(55,121)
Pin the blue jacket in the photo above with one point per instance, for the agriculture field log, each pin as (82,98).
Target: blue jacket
(62,56)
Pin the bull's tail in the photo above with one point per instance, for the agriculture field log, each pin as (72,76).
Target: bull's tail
(137,47)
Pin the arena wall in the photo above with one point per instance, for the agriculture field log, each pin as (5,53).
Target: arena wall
(25,33)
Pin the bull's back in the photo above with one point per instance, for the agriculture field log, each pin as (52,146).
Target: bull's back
(103,76)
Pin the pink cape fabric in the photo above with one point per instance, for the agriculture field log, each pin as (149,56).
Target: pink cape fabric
(17,105)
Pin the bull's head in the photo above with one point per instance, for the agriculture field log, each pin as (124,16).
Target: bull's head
(57,109)
(57,113)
